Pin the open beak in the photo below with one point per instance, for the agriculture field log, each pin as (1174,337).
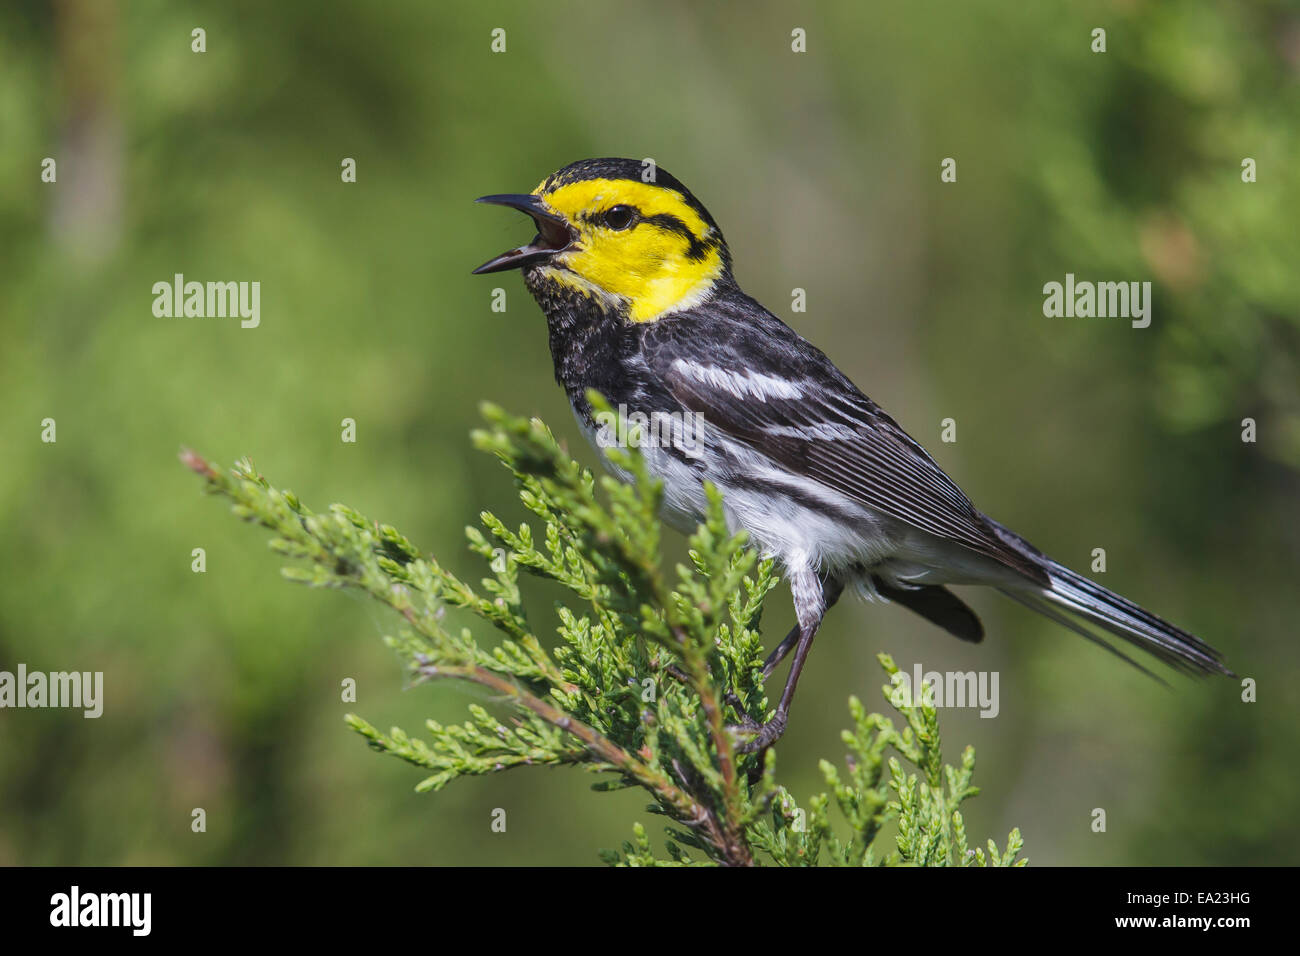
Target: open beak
(553,234)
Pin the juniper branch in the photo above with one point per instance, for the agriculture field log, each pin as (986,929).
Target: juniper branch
(596,699)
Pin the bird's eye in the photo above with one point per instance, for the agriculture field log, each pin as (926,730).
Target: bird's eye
(620,217)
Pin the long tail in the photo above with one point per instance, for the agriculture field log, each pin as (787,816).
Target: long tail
(1077,595)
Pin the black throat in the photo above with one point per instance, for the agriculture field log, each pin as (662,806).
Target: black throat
(590,346)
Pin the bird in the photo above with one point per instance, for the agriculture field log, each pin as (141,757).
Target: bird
(642,305)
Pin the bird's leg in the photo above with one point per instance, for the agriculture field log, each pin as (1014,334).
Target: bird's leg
(773,661)
(811,599)
(831,592)
(779,653)
(771,731)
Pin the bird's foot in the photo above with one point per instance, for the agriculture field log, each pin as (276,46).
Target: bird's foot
(758,736)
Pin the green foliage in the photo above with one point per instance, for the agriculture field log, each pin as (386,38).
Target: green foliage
(925,805)
(1123,165)
(652,676)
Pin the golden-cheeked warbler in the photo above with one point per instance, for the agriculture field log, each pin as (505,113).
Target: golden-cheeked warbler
(636,283)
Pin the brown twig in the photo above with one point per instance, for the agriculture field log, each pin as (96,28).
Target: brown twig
(732,850)
(717,827)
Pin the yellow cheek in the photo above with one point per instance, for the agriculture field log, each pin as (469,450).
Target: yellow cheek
(650,269)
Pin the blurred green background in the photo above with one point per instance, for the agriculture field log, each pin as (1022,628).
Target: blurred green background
(222,688)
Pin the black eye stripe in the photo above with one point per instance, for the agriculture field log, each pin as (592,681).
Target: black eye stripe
(699,248)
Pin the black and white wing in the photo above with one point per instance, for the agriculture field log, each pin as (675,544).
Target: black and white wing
(762,385)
